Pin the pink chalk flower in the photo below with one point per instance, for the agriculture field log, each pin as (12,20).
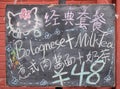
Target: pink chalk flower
(25,14)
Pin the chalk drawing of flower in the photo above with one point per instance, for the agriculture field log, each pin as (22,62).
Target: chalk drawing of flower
(25,14)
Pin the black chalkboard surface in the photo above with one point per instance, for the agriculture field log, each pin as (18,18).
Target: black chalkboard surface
(60,45)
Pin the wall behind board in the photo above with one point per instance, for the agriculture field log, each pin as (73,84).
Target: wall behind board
(3,4)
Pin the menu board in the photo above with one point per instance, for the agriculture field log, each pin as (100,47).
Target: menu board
(60,45)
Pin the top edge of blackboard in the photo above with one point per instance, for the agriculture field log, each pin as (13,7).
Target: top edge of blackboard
(56,4)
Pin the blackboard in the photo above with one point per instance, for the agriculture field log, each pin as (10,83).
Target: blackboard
(60,45)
